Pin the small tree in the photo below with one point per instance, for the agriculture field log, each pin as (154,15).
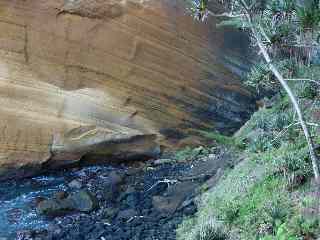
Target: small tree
(249,14)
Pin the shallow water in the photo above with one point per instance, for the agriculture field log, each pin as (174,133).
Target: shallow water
(112,218)
(17,199)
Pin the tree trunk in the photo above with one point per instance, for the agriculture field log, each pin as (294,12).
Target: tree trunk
(273,68)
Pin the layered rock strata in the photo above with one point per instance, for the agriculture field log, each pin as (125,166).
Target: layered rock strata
(108,76)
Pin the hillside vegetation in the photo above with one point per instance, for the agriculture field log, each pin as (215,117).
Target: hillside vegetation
(271,194)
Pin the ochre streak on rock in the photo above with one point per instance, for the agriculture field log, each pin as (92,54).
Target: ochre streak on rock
(128,70)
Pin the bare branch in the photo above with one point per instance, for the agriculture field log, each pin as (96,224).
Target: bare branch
(226,14)
(283,82)
(285,129)
(264,34)
(281,133)
(302,79)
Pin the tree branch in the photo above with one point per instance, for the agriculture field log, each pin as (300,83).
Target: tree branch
(272,67)
(225,14)
(303,79)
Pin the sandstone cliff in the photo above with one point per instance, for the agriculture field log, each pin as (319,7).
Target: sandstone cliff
(93,76)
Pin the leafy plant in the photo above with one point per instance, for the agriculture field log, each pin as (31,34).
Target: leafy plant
(309,17)
(188,153)
(282,233)
(230,211)
(293,160)
(286,6)
(198,8)
(260,143)
(262,79)
(306,89)
(211,230)
(276,211)
(307,227)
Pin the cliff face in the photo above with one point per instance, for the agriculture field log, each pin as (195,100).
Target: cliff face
(80,76)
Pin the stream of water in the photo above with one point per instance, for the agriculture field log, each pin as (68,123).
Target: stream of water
(135,211)
(18,200)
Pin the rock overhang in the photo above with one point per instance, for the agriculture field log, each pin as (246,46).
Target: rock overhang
(105,68)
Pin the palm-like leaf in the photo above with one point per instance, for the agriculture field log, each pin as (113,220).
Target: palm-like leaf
(309,17)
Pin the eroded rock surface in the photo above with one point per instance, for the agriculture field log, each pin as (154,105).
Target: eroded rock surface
(95,76)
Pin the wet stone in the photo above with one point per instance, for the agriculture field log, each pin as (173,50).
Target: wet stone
(76,184)
(110,212)
(83,201)
(61,204)
(113,204)
(126,215)
(14,215)
(60,195)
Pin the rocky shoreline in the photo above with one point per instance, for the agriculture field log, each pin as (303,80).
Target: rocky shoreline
(140,201)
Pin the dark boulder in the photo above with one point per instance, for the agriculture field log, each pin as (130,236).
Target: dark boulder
(82,201)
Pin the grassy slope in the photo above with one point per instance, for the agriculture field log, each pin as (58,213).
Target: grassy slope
(269,194)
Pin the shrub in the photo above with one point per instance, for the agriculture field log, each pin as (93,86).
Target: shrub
(306,221)
(211,230)
(188,153)
(309,17)
(276,211)
(291,161)
(306,89)
(262,79)
(282,233)
(256,209)
(230,211)
(307,227)
(260,143)
(219,138)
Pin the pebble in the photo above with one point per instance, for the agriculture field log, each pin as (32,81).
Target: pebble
(126,209)
(75,184)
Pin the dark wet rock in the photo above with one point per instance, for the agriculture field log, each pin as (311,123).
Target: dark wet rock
(133,171)
(175,196)
(60,195)
(110,193)
(55,230)
(162,204)
(34,202)
(82,201)
(112,187)
(110,212)
(14,215)
(24,235)
(116,178)
(163,161)
(127,214)
(76,184)
(190,209)
(132,199)
(54,207)
(146,202)
(130,190)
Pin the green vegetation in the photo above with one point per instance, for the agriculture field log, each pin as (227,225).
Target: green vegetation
(271,194)
(189,154)
(266,195)
(222,139)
